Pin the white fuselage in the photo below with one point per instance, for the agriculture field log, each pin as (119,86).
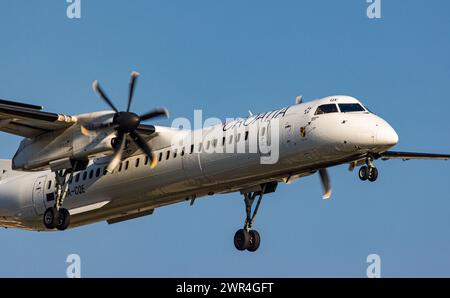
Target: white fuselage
(307,142)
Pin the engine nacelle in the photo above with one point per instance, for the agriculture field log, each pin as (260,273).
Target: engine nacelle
(58,149)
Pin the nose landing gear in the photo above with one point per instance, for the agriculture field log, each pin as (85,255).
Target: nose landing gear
(369,172)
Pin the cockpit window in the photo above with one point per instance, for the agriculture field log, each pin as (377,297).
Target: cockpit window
(326,109)
(351,107)
(368,110)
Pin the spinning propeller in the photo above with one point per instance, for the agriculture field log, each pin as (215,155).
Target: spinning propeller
(127,124)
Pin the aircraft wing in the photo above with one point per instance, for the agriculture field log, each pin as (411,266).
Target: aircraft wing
(412,155)
(29,120)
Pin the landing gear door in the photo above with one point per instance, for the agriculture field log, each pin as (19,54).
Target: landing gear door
(39,194)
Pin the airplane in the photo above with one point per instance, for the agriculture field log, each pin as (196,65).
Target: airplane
(70,171)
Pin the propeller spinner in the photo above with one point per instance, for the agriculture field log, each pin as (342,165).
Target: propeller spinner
(128,123)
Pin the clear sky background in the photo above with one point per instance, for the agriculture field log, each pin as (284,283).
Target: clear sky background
(227,57)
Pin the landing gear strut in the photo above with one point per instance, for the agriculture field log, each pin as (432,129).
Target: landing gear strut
(56,216)
(369,172)
(247,238)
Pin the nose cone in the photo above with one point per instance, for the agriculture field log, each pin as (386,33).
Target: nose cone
(386,136)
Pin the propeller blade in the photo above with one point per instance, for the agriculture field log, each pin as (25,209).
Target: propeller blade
(142,144)
(325,179)
(117,158)
(99,91)
(154,114)
(132,85)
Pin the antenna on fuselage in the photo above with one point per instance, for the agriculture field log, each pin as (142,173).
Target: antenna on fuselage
(298,99)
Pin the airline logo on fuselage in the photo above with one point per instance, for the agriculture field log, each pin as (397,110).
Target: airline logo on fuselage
(267,116)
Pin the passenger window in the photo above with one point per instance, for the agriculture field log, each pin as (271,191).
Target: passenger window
(120,167)
(146,160)
(137,162)
(215,143)
(127,163)
(97,173)
(175,153)
(223,141)
(326,109)
(246,135)
(160,156)
(49,184)
(192,148)
(351,107)
(77,178)
(84,175)
(182,152)
(91,174)
(167,155)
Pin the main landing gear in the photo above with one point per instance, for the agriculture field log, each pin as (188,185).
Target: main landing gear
(56,216)
(369,172)
(248,238)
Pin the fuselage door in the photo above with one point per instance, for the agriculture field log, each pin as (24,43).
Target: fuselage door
(288,133)
(39,194)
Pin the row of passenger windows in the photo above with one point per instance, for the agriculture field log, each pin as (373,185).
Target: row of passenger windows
(125,165)
(208,145)
(101,171)
(343,107)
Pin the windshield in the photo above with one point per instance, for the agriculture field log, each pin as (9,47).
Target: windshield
(326,109)
(351,107)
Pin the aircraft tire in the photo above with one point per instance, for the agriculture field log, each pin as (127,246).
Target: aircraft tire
(50,218)
(63,219)
(242,239)
(255,241)
(373,174)
(363,173)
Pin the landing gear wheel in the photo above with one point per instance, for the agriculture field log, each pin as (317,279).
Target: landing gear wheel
(255,241)
(242,239)
(363,173)
(373,174)
(63,219)
(51,216)
(247,238)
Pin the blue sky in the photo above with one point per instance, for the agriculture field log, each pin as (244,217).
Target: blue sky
(227,57)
